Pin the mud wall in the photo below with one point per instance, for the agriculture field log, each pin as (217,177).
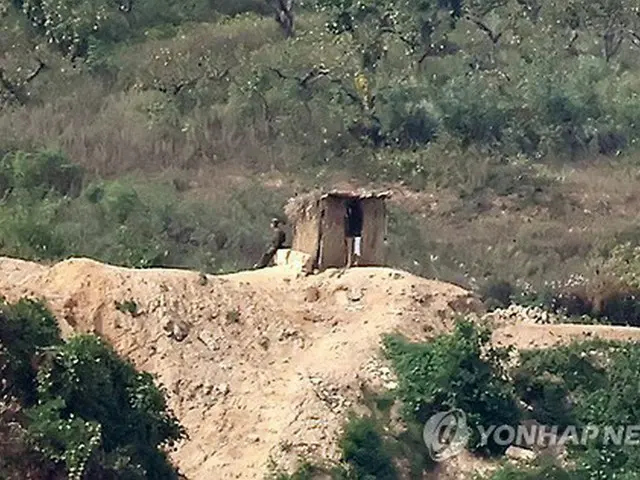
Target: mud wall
(306,232)
(333,251)
(373,232)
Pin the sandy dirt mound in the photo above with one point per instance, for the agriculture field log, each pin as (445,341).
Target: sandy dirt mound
(260,365)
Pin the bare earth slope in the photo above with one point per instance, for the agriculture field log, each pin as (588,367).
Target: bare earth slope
(258,365)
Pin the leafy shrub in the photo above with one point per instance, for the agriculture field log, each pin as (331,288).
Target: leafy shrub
(363,448)
(86,411)
(64,440)
(119,201)
(18,458)
(107,404)
(595,383)
(451,372)
(28,227)
(26,330)
(497,294)
(40,173)
(407,119)
(473,110)
(544,472)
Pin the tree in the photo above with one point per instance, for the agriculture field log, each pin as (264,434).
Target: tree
(284,15)
(16,88)
(613,21)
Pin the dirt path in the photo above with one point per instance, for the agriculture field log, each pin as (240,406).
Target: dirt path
(530,336)
(258,365)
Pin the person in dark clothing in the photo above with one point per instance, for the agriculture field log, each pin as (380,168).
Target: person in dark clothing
(353,234)
(277,241)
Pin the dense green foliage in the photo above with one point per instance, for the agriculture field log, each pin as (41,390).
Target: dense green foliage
(85,411)
(47,215)
(27,328)
(591,383)
(461,370)
(363,449)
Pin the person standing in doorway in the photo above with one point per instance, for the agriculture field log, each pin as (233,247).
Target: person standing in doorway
(353,234)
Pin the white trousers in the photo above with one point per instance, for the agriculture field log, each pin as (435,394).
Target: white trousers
(357,242)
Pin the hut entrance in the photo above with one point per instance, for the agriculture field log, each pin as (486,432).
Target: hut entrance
(353,230)
(340,228)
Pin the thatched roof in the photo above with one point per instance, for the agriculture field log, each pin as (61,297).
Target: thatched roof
(357,194)
(301,206)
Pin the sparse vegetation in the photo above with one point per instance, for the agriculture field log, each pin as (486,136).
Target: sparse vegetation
(233,316)
(127,306)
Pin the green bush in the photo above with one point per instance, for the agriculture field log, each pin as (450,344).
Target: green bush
(114,407)
(363,448)
(544,472)
(86,410)
(136,224)
(407,118)
(458,370)
(592,383)
(40,173)
(26,330)
(473,110)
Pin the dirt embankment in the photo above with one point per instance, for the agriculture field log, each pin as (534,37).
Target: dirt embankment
(258,365)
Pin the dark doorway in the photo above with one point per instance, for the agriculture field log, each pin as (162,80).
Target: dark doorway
(353,230)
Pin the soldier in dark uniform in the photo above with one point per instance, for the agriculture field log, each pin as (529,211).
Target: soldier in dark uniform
(277,241)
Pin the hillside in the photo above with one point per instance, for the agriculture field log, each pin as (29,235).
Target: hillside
(259,365)
(508,128)
(146,144)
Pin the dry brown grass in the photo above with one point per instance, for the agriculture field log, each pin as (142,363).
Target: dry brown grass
(573,224)
(123,124)
(112,135)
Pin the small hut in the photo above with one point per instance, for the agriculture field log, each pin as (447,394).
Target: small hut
(321,224)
